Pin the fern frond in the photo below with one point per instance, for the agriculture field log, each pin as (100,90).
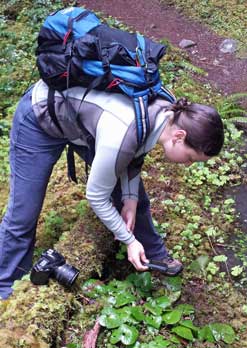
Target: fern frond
(235,111)
(188,66)
(237,96)
(239,120)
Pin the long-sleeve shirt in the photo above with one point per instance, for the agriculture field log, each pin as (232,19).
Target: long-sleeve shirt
(110,119)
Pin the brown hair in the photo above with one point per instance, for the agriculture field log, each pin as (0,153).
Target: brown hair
(203,126)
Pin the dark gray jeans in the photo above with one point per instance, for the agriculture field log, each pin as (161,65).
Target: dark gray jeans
(33,154)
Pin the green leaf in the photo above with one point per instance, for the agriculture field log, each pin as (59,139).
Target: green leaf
(159,342)
(152,307)
(183,332)
(125,314)
(173,283)
(110,318)
(174,339)
(220,258)
(222,332)
(189,324)
(185,308)
(93,288)
(172,317)
(72,345)
(205,334)
(163,302)
(124,298)
(174,296)
(125,333)
(200,264)
(142,281)
(154,321)
(236,270)
(137,313)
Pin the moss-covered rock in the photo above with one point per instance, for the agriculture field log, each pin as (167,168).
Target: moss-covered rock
(34,316)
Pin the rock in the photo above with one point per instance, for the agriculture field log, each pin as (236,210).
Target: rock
(187,43)
(216,62)
(228,46)
(226,72)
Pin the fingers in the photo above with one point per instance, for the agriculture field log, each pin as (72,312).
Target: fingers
(136,256)
(143,258)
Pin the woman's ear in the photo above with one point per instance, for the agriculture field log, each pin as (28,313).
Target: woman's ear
(179,135)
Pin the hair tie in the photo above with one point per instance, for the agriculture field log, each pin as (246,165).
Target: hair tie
(180,105)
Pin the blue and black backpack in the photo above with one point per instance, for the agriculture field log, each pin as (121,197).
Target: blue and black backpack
(75,48)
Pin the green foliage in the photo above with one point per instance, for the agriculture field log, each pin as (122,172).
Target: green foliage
(19,26)
(130,322)
(189,213)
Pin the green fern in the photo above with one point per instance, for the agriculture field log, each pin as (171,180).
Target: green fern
(237,96)
(239,120)
(229,108)
(190,67)
(235,111)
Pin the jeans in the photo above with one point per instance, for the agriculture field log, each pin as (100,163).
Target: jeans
(33,153)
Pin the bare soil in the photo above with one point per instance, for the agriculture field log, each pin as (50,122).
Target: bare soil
(226,72)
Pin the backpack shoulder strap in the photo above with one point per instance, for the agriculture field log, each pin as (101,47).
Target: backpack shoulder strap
(166,94)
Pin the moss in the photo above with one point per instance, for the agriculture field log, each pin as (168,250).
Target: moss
(34,316)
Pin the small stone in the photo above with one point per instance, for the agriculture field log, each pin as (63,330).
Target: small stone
(226,72)
(228,46)
(184,43)
(216,62)
(153,26)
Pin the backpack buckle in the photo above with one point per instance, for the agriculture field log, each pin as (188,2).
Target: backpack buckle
(105,59)
(140,59)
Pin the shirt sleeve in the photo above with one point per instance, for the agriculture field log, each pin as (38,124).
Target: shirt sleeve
(103,178)
(130,187)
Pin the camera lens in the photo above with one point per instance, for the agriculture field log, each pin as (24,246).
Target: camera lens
(66,275)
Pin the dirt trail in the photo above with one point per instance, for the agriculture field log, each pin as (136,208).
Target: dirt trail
(226,72)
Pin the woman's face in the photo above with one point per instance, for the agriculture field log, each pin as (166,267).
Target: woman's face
(182,153)
(176,151)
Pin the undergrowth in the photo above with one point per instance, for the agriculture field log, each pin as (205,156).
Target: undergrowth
(188,206)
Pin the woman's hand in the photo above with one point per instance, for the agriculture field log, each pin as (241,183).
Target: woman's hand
(136,255)
(128,213)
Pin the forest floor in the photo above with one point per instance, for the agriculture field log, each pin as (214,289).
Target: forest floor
(226,74)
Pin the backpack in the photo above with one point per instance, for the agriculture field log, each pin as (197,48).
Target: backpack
(76,49)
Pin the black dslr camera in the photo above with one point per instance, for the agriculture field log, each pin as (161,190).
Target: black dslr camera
(52,265)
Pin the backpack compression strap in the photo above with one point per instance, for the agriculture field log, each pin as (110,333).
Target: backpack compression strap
(142,120)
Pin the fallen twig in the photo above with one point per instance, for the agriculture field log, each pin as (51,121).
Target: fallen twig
(90,337)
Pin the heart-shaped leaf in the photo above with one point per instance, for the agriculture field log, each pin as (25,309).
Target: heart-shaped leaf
(154,321)
(137,313)
(222,332)
(183,332)
(163,302)
(125,333)
(110,318)
(124,298)
(173,317)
